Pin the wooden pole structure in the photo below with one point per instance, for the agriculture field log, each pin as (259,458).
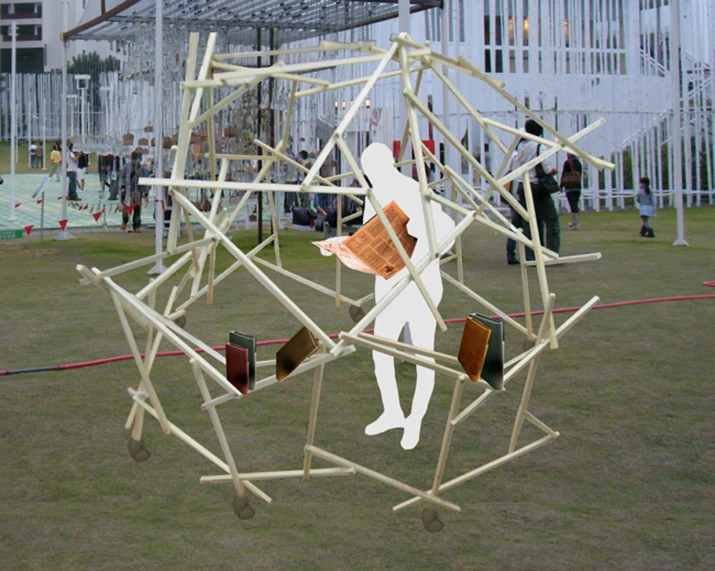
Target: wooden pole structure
(192,258)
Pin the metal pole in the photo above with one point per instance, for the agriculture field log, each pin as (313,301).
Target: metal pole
(676,138)
(44,134)
(82,118)
(64,234)
(259,195)
(404,26)
(159,134)
(445,90)
(13,120)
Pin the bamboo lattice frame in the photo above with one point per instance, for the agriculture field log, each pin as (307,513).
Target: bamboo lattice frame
(412,58)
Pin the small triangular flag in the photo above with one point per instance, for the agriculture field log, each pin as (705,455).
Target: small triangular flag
(60,198)
(39,201)
(91,210)
(63,224)
(129,209)
(86,206)
(28,229)
(97,216)
(18,205)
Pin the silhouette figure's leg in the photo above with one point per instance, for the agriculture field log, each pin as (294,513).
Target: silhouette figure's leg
(388,325)
(422,327)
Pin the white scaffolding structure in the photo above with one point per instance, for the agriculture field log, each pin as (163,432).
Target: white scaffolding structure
(411,62)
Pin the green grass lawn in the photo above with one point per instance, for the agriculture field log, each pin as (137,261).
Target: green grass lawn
(627,485)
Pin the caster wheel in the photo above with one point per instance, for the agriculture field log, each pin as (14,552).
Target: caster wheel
(356,313)
(138,450)
(242,508)
(431,521)
(181,321)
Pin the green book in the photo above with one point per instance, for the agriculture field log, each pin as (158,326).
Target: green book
(493,369)
(248,342)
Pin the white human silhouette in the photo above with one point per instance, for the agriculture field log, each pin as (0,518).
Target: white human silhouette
(409,308)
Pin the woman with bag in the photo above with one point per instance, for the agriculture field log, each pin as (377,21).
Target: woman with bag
(543,185)
(571,183)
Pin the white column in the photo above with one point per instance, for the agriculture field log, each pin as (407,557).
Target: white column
(159,134)
(676,138)
(13,120)
(64,234)
(445,90)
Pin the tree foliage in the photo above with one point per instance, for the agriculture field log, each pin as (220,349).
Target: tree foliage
(92,64)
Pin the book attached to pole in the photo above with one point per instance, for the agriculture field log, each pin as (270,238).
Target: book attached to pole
(301,346)
(237,367)
(248,342)
(481,352)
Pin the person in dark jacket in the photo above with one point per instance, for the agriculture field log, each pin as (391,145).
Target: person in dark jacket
(571,183)
(134,193)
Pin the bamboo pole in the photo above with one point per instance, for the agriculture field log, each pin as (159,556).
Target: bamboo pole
(411,348)
(525,291)
(148,260)
(490,306)
(278,475)
(474,406)
(538,254)
(220,434)
(447,437)
(381,478)
(204,71)
(531,376)
(477,472)
(410,358)
(256,272)
(183,142)
(393,237)
(417,147)
(313,416)
(186,439)
(146,381)
(349,116)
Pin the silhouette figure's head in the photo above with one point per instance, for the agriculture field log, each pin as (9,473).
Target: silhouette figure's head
(377,162)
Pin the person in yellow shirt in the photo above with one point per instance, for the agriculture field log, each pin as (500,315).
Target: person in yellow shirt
(56,161)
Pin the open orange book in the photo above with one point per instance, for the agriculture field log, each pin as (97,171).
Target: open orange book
(370,249)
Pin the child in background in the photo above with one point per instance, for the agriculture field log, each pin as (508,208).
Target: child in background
(646,199)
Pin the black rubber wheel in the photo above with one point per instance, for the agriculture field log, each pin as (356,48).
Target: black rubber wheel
(431,520)
(356,313)
(242,508)
(138,450)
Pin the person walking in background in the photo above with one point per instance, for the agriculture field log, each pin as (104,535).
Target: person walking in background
(72,174)
(571,183)
(33,155)
(134,193)
(516,220)
(56,161)
(646,199)
(39,158)
(82,164)
(547,218)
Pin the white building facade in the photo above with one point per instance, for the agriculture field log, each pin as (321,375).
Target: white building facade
(39,25)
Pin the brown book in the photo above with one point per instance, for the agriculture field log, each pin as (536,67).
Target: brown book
(301,346)
(473,348)
(237,367)
(372,244)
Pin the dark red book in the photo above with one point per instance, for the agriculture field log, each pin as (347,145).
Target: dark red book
(237,367)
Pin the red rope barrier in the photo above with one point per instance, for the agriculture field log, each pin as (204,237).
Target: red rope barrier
(335,335)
